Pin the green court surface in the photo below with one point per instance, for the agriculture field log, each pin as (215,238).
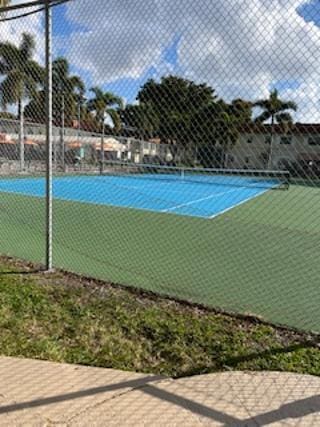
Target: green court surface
(260,258)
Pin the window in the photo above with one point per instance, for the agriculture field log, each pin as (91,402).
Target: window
(314,140)
(285,140)
(249,140)
(146,145)
(246,159)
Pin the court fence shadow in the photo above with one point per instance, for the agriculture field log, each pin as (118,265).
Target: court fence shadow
(148,385)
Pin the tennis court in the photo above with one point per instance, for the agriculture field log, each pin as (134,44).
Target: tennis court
(191,192)
(122,228)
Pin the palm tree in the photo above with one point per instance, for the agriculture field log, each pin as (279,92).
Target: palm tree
(22,78)
(275,109)
(104,103)
(67,90)
(101,105)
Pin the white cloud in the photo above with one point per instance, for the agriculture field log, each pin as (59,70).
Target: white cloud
(240,47)
(12,30)
(248,45)
(237,46)
(123,39)
(307,97)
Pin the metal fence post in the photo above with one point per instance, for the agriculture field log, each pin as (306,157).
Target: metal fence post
(48,41)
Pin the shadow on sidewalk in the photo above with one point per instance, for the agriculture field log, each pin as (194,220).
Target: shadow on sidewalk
(297,409)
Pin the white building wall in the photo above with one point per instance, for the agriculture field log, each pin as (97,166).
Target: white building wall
(254,154)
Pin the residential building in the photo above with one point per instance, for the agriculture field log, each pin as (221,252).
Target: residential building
(298,143)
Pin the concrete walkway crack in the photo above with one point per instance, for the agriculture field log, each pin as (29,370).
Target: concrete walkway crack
(113,397)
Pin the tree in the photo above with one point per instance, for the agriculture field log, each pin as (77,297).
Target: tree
(217,128)
(242,110)
(142,119)
(275,109)
(7,116)
(105,103)
(67,89)
(176,101)
(22,77)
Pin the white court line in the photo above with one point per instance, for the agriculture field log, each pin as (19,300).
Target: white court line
(238,204)
(198,200)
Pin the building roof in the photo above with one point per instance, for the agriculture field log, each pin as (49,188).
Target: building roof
(5,139)
(74,144)
(293,129)
(30,142)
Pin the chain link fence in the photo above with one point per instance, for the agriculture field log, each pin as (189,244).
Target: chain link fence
(186,149)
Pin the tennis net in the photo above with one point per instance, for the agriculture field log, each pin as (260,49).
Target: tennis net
(231,177)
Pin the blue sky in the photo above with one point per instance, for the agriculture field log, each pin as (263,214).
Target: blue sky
(310,11)
(241,48)
(181,53)
(128,88)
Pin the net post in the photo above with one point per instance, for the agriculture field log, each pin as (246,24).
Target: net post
(102,150)
(48,60)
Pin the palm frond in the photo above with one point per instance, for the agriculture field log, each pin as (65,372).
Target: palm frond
(4,69)
(284,118)
(266,115)
(97,91)
(27,46)
(262,103)
(61,66)
(112,99)
(35,71)
(30,87)
(10,90)
(10,55)
(77,83)
(289,105)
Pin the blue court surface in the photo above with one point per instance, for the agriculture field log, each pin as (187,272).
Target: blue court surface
(181,197)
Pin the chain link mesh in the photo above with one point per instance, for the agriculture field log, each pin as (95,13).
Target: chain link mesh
(175,127)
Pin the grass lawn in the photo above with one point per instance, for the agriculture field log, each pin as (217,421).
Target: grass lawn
(63,318)
(260,258)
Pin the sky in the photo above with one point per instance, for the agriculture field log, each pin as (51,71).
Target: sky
(242,48)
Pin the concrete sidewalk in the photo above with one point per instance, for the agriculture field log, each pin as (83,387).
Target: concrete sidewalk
(35,393)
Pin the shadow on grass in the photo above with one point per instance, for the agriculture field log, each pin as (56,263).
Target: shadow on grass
(233,362)
(19,273)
